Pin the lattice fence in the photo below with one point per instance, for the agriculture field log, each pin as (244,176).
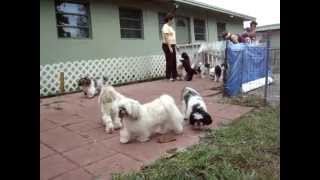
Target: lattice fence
(118,70)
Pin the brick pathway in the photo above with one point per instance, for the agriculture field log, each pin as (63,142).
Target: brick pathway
(73,144)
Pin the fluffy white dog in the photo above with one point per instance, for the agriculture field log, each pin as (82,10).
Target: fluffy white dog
(141,121)
(108,100)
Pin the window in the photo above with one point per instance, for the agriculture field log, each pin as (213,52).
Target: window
(73,19)
(131,25)
(161,23)
(221,28)
(180,23)
(199,30)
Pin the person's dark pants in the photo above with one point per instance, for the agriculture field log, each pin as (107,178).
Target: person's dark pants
(171,61)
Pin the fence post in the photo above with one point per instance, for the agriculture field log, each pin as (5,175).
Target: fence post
(61,82)
(225,70)
(267,63)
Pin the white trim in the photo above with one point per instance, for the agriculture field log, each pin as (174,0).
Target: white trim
(246,87)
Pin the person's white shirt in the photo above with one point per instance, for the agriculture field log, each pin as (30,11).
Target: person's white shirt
(171,34)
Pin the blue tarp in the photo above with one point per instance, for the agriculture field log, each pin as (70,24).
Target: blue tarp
(247,62)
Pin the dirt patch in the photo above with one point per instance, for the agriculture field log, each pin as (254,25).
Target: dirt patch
(216,88)
(58,108)
(166,138)
(54,102)
(248,100)
(213,94)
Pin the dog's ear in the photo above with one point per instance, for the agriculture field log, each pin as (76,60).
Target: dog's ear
(105,79)
(184,55)
(207,120)
(80,82)
(135,109)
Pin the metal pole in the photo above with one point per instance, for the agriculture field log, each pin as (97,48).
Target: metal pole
(267,63)
(225,70)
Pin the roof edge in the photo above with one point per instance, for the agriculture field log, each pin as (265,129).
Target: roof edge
(217,9)
(268,27)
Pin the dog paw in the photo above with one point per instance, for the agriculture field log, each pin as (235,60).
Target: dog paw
(179,130)
(109,130)
(118,126)
(124,140)
(143,139)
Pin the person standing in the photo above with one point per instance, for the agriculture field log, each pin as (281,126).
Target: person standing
(169,47)
(252,32)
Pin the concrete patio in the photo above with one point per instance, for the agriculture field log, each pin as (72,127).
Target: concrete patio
(74,145)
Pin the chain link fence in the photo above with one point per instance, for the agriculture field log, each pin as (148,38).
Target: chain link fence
(271,92)
(254,70)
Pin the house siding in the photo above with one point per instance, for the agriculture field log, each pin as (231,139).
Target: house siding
(106,40)
(274,38)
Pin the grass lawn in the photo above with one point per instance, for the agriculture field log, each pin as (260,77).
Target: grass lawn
(246,149)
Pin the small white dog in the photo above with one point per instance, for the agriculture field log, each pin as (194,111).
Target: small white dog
(91,86)
(202,69)
(108,100)
(180,71)
(141,121)
(194,108)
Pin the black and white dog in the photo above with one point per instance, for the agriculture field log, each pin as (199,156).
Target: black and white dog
(194,109)
(202,69)
(216,73)
(91,86)
(186,64)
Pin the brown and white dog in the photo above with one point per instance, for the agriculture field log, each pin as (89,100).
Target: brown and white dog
(91,86)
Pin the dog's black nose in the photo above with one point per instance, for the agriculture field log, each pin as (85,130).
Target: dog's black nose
(122,112)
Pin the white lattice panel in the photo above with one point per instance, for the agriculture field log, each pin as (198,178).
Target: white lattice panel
(118,70)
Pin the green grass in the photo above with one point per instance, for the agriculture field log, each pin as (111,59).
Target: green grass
(247,149)
(247,100)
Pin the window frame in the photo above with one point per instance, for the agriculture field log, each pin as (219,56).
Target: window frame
(88,16)
(133,19)
(205,29)
(225,28)
(161,25)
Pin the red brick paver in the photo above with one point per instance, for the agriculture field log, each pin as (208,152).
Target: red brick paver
(113,164)
(78,174)
(74,144)
(61,139)
(53,166)
(89,153)
(45,151)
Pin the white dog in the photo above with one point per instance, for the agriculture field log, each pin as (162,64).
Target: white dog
(141,121)
(91,86)
(108,100)
(202,69)
(180,71)
(194,108)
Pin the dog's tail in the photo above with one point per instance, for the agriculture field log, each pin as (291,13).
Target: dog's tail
(171,107)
